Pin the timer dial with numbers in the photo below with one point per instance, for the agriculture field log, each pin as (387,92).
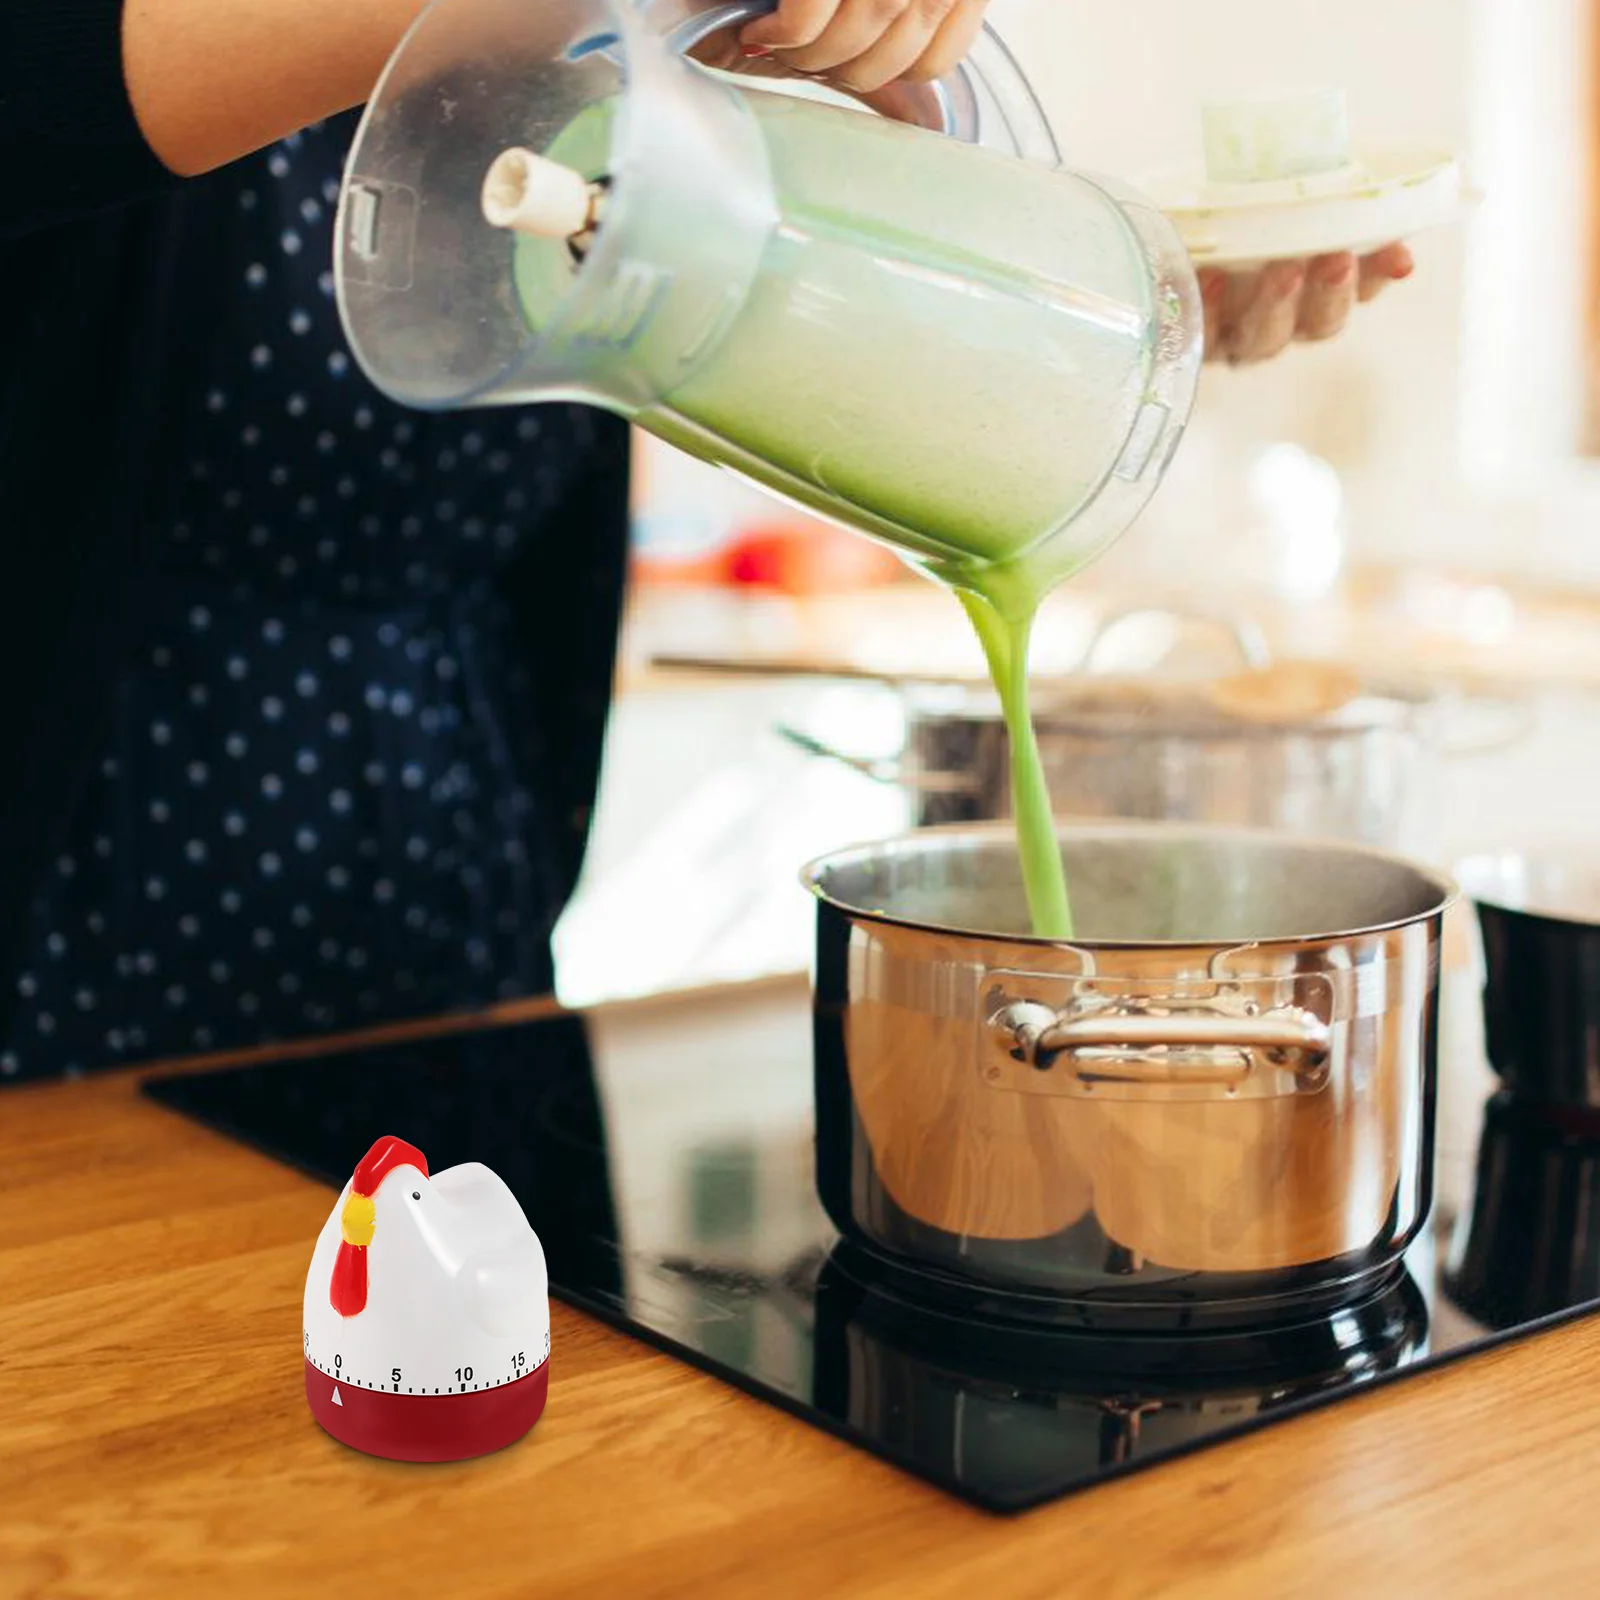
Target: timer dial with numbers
(427,1312)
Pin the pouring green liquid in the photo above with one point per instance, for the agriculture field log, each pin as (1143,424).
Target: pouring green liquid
(1005,648)
(909,359)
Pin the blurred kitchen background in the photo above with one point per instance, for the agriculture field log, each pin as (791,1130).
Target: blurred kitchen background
(1420,498)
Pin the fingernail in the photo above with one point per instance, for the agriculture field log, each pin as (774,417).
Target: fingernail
(1288,286)
(754,52)
(1337,272)
(1403,269)
(1211,290)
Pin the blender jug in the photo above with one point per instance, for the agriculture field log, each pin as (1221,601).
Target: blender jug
(926,329)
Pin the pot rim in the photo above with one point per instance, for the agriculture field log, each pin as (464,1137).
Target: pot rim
(1445,886)
(1534,908)
(1088,708)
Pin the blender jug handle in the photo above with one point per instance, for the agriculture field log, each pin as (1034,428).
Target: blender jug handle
(984,100)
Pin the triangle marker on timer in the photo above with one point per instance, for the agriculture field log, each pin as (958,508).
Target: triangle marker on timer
(428,1306)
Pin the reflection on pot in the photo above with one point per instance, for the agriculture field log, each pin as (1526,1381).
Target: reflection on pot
(1529,1244)
(1000,1408)
(1208,1104)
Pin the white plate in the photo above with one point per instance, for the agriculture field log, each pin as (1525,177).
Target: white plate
(1388,192)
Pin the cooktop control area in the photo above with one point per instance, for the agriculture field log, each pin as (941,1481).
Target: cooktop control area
(663,1154)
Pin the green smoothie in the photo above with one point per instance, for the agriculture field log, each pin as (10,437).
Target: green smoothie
(943,346)
(912,358)
(1005,647)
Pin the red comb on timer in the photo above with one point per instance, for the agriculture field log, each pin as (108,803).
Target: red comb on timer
(427,1312)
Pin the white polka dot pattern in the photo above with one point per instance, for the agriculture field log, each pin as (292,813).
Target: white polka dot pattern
(319,800)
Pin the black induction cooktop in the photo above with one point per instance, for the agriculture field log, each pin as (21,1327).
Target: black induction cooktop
(663,1155)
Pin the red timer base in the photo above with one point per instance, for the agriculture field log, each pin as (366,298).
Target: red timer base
(433,1427)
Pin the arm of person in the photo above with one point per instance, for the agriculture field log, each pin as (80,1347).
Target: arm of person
(104,100)
(211,80)
(1253,316)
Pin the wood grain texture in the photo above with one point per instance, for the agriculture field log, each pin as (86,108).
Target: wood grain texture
(154,1441)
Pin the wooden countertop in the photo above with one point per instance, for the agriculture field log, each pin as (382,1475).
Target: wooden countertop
(154,1440)
(1476,634)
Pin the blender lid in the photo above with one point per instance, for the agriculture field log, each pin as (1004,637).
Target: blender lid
(1281,178)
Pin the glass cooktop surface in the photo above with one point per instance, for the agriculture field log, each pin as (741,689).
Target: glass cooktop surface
(663,1154)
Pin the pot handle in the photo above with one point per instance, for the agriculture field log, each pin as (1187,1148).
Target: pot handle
(880,770)
(1186,1046)
(1247,637)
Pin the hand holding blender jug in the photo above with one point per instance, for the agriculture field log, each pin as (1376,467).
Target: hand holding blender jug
(950,343)
(983,360)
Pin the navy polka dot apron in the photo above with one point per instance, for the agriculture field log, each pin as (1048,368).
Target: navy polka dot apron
(314,809)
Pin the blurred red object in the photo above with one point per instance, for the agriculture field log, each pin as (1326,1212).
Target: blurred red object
(788,558)
(807,558)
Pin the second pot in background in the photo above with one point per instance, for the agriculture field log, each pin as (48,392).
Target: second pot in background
(1295,747)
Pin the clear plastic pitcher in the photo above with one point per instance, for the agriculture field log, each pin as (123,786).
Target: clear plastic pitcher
(926,329)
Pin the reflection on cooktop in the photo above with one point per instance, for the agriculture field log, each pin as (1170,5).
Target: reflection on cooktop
(668,1171)
(1528,1245)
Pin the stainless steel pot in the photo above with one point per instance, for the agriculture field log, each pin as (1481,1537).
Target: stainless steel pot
(1171,750)
(1219,1097)
(1139,749)
(1540,922)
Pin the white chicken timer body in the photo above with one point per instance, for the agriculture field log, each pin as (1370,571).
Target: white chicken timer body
(427,1312)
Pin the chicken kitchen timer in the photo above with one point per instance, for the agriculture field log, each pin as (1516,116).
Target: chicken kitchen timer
(427,1312)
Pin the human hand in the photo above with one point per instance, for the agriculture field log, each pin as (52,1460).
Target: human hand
(1252,316)
(860,46)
